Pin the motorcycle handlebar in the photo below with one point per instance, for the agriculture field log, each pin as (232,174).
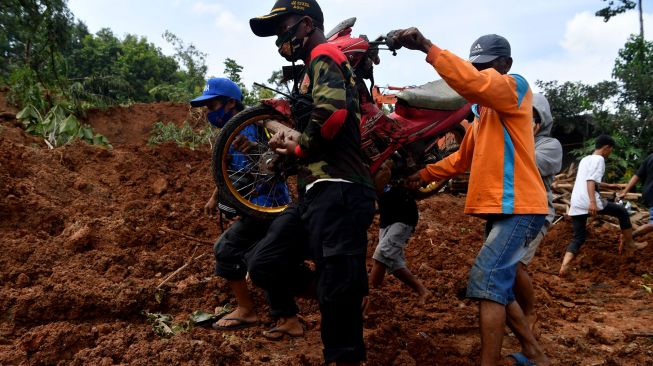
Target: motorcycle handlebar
(387,41)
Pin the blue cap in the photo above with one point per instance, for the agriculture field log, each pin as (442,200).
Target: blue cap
(218,87)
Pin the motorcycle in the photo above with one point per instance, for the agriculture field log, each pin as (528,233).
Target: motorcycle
(424,127)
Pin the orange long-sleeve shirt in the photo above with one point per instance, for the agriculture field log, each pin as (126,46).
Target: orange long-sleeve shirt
(499,147)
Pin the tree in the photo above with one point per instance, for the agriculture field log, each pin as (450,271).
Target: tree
(193,61)
(634,70)
(624,5)
(232,70)
(33,34)
(109,68)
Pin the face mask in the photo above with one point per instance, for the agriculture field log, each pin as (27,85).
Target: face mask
(219,117)
(290,47)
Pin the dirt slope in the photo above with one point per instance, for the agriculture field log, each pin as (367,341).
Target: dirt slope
(82,253)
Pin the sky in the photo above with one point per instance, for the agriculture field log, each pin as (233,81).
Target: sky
(551,39)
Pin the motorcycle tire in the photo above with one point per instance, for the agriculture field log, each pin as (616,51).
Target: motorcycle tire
(235,188)
(456,134)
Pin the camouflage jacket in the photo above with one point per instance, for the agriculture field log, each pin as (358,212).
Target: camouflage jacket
(330,142)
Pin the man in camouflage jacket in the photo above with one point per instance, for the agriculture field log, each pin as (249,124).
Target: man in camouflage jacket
(329,223)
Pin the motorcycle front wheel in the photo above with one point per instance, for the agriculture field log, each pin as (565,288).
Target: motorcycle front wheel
(249,176)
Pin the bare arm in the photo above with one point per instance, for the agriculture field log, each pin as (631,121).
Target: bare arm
(210,206)
(591,190)
(633,181)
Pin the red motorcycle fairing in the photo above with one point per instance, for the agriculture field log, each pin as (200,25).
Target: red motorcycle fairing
(382,134)
(418,122)
(280,105)
(353,47)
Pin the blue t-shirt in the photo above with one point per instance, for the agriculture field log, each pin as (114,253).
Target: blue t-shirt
(268,194)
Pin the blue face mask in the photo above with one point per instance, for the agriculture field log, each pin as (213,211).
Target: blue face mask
(218,118)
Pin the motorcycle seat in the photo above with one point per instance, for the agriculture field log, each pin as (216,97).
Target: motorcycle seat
(434,95)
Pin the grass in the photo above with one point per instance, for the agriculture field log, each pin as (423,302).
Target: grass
(184,136)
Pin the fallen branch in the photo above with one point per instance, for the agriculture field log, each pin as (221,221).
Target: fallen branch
(7,115)
(190,260)
(647,333)
(628,197)
(185,236)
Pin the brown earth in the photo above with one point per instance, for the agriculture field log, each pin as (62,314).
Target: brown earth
(132,125)
(83,250)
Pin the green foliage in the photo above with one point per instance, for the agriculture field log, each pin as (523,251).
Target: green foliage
(171,93)
(58,126)
(193,62)
(121,70)
(580,108)
(611,10)
(647,283)
(163,326)
(184,136)
(233,70)
(257,94)
(25,89)
(35,33)
(278,82)
(42,45)
(622,163)
(633,68)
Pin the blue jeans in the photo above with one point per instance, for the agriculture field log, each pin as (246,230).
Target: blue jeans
(493,274)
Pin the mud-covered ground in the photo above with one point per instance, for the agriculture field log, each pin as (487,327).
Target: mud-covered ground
(82,250)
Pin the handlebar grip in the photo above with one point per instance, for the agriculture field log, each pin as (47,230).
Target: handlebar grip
(390,42)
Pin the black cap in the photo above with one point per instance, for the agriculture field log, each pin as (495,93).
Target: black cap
(488,48)
(265,26)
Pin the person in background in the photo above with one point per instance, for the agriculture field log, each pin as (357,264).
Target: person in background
(548,157)
(398,219)
(586,201)
(644,175)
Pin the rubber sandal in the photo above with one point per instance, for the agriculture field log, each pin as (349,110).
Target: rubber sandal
(241,324)
(521,360)
(277,334)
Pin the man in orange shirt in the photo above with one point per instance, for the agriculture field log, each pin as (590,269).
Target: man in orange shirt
(505,187)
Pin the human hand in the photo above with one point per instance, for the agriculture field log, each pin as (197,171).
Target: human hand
(284,142)
(211,206)
(593,209)
(277,140)
(412,39)
(415,181)
(243,144)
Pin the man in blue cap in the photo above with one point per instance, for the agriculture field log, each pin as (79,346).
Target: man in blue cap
(223,99)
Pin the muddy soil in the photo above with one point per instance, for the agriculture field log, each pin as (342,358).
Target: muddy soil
(132,125)
(82,251)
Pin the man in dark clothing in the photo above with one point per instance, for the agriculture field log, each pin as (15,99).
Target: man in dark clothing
(645,175)
(329,223)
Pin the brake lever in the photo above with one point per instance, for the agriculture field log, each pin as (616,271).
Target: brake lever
(385,41)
